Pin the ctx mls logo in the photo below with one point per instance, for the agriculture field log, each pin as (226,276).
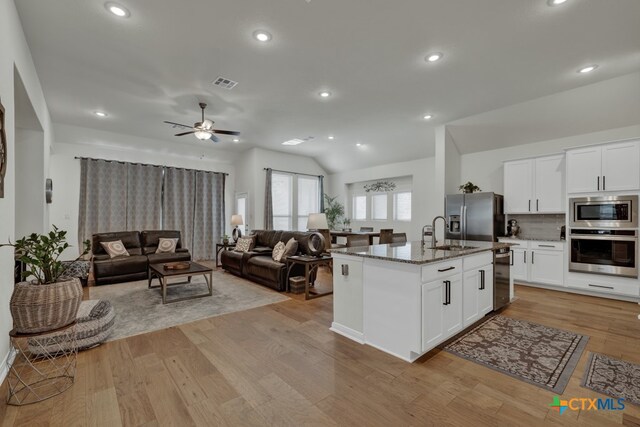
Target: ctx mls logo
(586,404)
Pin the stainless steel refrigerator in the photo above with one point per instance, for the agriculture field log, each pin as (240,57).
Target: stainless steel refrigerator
(476,216)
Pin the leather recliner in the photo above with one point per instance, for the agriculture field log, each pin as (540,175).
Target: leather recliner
(150,240)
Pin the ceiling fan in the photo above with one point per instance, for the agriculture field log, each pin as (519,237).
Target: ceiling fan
(203,130)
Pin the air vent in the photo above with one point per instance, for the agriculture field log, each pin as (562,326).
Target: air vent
(225,83)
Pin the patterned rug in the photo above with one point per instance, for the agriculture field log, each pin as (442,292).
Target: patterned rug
(530,352)
(613,377)
(140,309)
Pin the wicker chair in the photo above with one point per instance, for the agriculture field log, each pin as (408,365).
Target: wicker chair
(385,236)
(357,240)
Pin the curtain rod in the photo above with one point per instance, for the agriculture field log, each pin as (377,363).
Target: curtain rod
(147,164)
(295,173)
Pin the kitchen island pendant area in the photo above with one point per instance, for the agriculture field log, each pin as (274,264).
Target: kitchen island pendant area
(406,300)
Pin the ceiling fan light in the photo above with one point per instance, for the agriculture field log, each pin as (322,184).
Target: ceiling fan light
(202,135)
(207,124)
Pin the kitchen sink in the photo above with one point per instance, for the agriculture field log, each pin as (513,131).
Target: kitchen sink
(454,247)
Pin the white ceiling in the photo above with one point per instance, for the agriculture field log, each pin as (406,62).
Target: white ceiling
(157,64)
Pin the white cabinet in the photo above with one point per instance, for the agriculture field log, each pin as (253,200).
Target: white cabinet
(441,310)
(452,318)
(348,297)
(478,294)
(537,262)
(610,167)
(534,185)
(519,263)
(485,293)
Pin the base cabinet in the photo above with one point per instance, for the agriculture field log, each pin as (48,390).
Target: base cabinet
(441,310)
(547,267)
(537,261)
(478,294)
(348,313)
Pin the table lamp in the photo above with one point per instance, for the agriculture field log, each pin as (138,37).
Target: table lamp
(236,220)
(317,221)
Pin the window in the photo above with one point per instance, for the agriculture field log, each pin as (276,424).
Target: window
(241,209)
(282,194)
(379,207)
(360,207)
(402,206)
(308,199)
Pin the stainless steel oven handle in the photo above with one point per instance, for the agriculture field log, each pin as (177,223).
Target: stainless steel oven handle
(615,238)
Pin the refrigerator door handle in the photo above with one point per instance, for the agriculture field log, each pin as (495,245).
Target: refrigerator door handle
(464,221)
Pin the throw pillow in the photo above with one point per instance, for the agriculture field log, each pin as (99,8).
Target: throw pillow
(244,244)
(115,248)
(290,248)
(278,251)
(167,246)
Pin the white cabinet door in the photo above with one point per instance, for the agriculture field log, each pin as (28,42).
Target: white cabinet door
(518,186)
(433,300)
(485,295)
(347,294)
(452,317)
(584,170)
(549,185)
(519,267)
(547,267)
(620,170)
(470,294)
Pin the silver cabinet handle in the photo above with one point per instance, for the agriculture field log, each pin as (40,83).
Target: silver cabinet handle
(345,269)
(546,246)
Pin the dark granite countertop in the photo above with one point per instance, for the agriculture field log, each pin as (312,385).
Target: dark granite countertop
(412,252)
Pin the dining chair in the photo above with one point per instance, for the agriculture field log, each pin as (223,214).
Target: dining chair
(327,240)
(355,240)
(399,238)
(366,229)
(385,236)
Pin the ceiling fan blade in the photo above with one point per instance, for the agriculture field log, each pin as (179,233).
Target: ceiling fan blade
(185,133)
(214,138)
(225,132)
(178,125)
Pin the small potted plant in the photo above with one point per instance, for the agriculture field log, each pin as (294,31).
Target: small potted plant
(469,187)
(225,239)
(49,300)
(347,224)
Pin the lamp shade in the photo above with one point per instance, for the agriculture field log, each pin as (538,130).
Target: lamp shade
(317,221)
(236,220)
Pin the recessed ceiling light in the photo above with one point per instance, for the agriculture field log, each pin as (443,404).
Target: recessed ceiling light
(294,141)
(358,145)
(587,69)
(433,57)
(325,94)
(330,136)
(118,10)
(236,140)
(555,2)
(262,35)
(100,114)
(427,117)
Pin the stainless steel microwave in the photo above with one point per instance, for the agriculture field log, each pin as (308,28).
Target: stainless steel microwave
(604,212)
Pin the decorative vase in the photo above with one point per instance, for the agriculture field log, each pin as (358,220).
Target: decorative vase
(41,308)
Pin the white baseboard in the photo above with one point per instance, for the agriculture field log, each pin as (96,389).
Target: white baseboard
(579,291)
(347,332)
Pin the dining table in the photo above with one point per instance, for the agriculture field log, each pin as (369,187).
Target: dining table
(344,233)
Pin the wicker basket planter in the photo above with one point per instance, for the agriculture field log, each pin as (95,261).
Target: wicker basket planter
(40,308)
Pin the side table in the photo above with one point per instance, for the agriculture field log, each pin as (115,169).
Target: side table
(310,264)
(220,247)
(47,371)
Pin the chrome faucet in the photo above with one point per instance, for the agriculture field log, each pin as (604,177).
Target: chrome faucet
(434,242)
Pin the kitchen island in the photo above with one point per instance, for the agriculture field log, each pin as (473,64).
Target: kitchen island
(405,300)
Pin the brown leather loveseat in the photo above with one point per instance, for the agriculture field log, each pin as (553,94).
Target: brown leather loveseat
(258,265)
(141,248)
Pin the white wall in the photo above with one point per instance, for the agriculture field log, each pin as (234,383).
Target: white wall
(30,203)
(485,168)
(422,175)
(14,55)
(251,177)
(65,169)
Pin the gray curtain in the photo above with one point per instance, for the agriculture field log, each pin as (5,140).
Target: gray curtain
(209,221)
(268,202)
(103,198)
(144,197)
(321,179)
(179,203)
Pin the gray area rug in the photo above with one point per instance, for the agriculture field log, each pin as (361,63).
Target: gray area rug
(140,309)
(613,377)
(537,354)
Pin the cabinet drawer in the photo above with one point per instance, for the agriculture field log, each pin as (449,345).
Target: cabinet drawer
(520,244)
(547,246)
(441,269)
(631,288)
(479,260)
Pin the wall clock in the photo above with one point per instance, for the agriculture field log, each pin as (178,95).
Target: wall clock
(3,151)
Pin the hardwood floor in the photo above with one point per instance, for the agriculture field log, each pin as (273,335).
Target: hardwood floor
(280,365)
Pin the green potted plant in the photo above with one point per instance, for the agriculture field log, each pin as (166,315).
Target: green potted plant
(48,300)
(469,187)
(334,210)
(347,224)
(225,239)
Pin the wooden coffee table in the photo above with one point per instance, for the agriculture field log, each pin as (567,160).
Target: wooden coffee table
(195,269)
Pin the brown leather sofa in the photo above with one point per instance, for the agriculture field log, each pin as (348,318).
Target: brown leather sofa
(141,248)
(258,264)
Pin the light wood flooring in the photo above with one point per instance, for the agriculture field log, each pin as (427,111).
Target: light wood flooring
(280,365)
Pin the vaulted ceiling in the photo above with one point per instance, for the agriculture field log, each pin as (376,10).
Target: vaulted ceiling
(158,63)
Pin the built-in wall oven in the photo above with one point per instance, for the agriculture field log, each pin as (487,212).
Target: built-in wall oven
(604,251)
(604,212)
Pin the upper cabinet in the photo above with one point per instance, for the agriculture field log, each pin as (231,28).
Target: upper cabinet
(610,167)
(534,185)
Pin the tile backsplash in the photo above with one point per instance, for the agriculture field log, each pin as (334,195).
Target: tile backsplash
(538,226)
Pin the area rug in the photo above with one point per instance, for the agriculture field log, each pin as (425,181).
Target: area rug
(613,377)
(140,309)
(537,354)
